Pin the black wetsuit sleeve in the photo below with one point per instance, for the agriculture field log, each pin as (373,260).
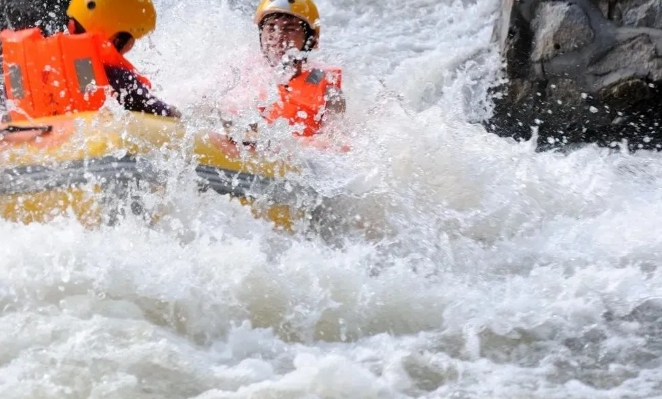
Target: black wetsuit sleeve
(133,95)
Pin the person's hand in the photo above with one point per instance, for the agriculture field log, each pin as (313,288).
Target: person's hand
(174,112)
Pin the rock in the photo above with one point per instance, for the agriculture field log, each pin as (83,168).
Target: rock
(639,13)
(50,15)
(559,28)
(580,71)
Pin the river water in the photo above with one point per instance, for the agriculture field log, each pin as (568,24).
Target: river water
(489,270)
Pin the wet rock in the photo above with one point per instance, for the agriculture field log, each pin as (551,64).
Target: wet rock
(50,15)
(640,13)
(580,71)
(559,28)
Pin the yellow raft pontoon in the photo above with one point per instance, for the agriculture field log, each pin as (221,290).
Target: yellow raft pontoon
(82,163)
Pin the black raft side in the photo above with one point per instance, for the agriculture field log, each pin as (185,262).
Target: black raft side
(107,170)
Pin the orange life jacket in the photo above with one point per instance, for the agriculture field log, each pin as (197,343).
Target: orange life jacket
(303,99)
(52,76)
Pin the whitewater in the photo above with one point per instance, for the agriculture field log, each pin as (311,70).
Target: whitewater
(486,270)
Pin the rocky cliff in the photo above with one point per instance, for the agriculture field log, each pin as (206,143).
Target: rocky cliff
(581,71)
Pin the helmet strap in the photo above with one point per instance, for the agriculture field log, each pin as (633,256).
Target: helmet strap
(310,37)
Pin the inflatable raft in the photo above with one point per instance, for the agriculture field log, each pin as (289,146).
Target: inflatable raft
(97,165)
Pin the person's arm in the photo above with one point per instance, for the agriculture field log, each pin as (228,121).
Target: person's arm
(135,96)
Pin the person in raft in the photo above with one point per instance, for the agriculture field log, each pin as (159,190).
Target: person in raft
(68,72)
(288,31)
(287,85)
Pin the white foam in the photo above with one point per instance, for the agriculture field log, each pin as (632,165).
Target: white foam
(492,270)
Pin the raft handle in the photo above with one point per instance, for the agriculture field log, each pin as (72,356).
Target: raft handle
(16,129)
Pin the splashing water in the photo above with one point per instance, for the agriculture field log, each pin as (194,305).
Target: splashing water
(495,271)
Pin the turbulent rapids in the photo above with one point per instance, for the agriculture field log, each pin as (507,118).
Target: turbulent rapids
(456,264)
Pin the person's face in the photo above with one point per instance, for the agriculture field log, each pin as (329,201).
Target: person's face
(280,34)
(123,42)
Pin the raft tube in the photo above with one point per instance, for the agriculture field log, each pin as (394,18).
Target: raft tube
(96,165)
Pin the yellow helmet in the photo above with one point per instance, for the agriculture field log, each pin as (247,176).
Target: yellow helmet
(305,10)
(137,17)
